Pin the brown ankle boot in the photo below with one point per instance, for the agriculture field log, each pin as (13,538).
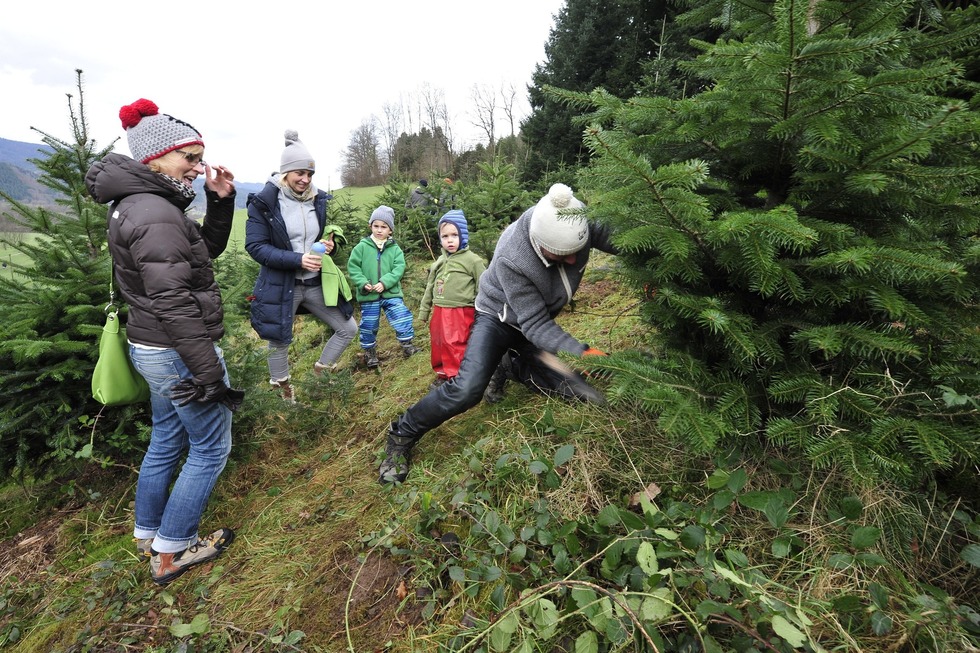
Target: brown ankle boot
(285,389)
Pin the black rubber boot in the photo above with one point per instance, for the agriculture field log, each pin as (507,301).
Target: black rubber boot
(409,349)
(398,454)
(371,357)
(495,389)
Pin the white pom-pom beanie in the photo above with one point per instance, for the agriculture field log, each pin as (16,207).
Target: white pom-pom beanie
(295,156)
(556,226)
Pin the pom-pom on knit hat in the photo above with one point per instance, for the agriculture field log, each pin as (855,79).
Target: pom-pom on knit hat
(384,213)
(458,220)
(152,134)
(295,156)
(555,225)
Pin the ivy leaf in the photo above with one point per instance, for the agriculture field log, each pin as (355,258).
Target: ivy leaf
(737,480)
(781,546)
(840,560)
(718,479)
(199,625)
(722,499)
(608,516)
(564,454)
(865,537)
(879,595)
(508,623)
(793,635)
(584,597)
(776,513)
(646,558)
(731,575)
(757,500)
(971,554)
(499,637)
(294,637)
(881,623)
(692,536)
(851,507)
(657,607)
(587,642)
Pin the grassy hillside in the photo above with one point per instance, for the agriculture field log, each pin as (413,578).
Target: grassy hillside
(532,521)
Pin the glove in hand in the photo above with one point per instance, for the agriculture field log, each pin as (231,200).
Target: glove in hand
(233,399)
(592,351)
(187,391)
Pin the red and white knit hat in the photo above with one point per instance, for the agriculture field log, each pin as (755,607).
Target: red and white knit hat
(152,134)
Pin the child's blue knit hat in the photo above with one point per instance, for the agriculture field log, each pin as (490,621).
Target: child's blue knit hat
(458,220)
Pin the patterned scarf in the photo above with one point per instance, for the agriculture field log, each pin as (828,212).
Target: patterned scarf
(180,186)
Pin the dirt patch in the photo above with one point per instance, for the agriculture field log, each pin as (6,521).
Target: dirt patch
(28,553)
(365,596)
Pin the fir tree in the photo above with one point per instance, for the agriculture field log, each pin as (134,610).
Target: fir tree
(53,313)
(593,44)
(805,231)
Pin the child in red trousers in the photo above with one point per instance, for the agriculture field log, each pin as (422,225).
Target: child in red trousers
(450,292)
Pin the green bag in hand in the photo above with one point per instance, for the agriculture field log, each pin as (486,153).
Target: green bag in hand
(115,382)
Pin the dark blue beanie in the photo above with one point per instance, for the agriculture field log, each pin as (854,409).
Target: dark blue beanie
(458,220)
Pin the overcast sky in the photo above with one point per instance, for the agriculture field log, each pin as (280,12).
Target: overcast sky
(242,73)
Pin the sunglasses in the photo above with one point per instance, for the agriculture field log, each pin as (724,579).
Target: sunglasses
(193,159)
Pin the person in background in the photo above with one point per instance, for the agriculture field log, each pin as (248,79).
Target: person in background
(420,197)
(162,263)
(285,219)
(450,291)
(376,266)
(536,268)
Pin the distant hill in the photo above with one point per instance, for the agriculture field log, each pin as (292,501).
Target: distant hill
(19,178)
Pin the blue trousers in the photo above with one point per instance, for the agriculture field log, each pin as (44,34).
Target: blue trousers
(397,314)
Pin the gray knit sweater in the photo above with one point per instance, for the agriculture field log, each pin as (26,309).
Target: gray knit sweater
(522,291)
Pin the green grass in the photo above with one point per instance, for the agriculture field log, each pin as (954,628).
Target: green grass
(508,508)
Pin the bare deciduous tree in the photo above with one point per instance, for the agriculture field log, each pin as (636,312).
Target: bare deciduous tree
(362,166)
(485,106)
(508,96)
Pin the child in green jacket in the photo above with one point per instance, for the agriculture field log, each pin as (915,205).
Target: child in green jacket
(376,265)
(450,292)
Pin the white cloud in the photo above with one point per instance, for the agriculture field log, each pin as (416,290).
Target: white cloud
(242,75)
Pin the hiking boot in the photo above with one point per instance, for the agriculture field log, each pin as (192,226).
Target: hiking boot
(164,567)
(409,349)
(286,390)
(371,357)
(398,454)
(144,548)
(495,389)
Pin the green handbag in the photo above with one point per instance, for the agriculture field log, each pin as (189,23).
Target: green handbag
(115,382)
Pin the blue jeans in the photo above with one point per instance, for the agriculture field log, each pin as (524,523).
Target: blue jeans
(171,516)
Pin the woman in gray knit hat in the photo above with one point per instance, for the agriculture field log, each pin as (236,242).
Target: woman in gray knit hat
(287,220)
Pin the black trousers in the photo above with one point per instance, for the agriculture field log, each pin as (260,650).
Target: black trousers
(490,340)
